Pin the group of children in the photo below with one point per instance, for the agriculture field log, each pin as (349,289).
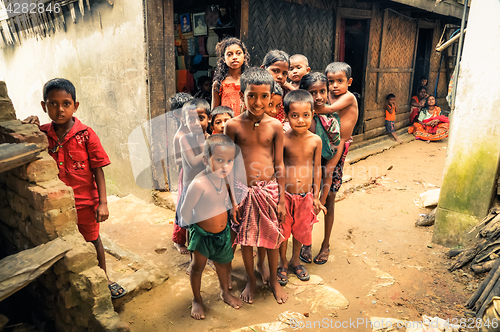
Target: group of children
(258,165)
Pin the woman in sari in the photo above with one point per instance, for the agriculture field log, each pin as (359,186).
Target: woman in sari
(430,124)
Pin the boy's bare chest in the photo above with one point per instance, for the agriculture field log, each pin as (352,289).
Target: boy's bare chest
(255,137)
(298,152)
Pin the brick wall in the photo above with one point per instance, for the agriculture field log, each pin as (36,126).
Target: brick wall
(35,208)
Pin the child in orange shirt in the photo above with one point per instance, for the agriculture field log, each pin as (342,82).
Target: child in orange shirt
(390,116)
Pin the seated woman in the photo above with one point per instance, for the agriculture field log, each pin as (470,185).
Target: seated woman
(430,124)
(417,102)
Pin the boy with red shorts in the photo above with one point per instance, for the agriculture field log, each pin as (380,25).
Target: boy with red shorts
(302,159)
(80,158)
(262,208)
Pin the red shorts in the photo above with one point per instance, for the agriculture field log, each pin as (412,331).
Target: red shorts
(300,217)
(87,225)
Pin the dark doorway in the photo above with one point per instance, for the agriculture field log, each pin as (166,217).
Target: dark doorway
(423,57)
(353,51)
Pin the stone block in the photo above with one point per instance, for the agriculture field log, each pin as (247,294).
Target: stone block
(102,303)
(3,197)
(48,280)
(43,169)
(14,131)
(110,322)
(90,284)
(9,217)
(36,236)
(77,260)
(62,279)
(20,241)
(7,111)
(50,195)
(69,298)
(55,222)
(19,204)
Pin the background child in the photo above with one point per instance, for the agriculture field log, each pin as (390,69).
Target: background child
(417,102)
(233,59)
(390,116)
(299,66)
(176,104)
(205,89)
(205,210)
(220,115)
(302,159)
(260,139)
(196,115)
(277,64)
(276,100)
(69,138)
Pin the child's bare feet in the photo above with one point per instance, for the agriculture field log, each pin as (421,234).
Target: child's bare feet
(279,293)
(229,279)
(197,311)
(248,292)
(182,249)
(264,272)
(234,302)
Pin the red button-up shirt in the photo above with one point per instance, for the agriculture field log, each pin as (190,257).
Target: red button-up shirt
(76,156)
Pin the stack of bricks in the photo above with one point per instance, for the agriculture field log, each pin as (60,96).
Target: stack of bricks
(35,208)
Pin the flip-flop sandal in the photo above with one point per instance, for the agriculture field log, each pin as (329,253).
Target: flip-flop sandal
(304,276)
(282,277)
(315,260)
(302,258)
(114,288)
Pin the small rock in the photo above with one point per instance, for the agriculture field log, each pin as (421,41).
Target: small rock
(374,302)
(429,246)
(390,167)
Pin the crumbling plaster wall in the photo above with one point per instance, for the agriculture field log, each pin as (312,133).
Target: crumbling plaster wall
(473,157)
(104,55)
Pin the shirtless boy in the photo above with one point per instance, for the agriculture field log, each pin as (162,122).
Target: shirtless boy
(196,116)
(260,139)
(206,211)
(302,159)
(299,66)
(176,102)
(345,104)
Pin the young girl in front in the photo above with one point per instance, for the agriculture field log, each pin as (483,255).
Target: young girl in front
(277,62)
(232,61)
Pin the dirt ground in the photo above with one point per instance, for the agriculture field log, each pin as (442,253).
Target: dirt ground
(380,262)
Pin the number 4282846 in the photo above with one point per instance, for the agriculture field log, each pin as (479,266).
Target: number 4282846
(32,8)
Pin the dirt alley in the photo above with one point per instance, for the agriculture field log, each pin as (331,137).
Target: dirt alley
(379,261)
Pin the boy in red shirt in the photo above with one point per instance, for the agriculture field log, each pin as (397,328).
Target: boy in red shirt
(80,158)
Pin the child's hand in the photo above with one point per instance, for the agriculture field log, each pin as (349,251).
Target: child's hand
(236,214)
(318,207)
(33,119)
(281,212)
(102,213)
